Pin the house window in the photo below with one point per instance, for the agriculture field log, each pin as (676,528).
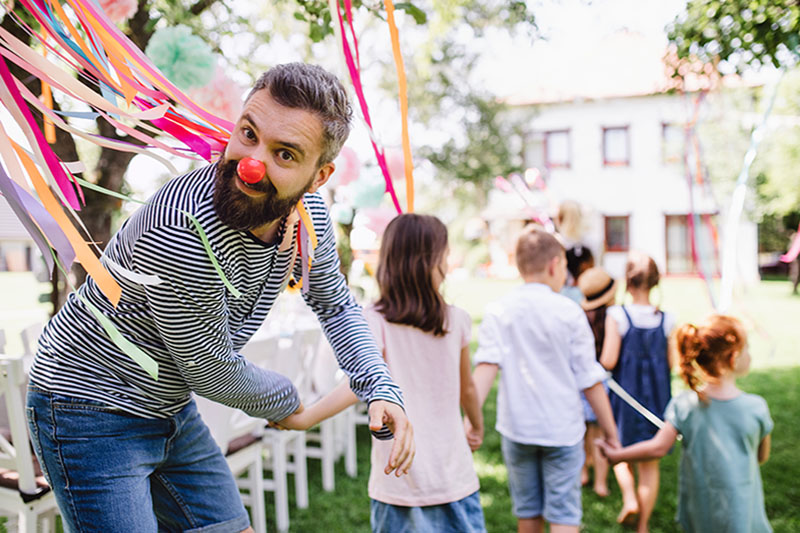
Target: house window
(557,149)
(673,138)
(616,147)
(680,259)
(617,234)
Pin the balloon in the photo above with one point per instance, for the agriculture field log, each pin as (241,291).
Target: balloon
(348,167)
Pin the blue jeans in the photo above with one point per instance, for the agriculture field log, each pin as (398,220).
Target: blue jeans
(462,516)
(114,472)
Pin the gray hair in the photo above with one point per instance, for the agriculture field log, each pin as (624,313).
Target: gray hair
(310,87)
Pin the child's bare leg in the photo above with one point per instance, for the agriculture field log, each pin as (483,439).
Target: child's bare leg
(600,462)
(630,505)
(561,528)
(530,525)
(588,446)
(647,492)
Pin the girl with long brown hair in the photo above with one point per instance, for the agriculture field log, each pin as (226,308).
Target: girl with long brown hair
(726,432)
(425,343)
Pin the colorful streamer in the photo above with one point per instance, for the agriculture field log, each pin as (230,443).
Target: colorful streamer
(354,70)
(133,96)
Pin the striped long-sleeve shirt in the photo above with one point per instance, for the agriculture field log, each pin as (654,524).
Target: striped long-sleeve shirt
(191,324)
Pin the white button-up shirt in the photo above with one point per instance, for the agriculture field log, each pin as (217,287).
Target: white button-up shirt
(545,349)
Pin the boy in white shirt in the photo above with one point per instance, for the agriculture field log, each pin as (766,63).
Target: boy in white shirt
(543,343)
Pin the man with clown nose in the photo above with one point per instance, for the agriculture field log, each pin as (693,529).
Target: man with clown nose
(124,452)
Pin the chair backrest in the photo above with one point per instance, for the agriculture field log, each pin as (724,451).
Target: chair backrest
(16,456)
(30,338)
(325,372)
(226,423)
(2,341)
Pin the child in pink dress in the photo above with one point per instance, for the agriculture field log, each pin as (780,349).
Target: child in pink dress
(425,343)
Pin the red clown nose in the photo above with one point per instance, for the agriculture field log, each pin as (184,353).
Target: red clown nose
(251,170)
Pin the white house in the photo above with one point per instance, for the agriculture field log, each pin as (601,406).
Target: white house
(612,138)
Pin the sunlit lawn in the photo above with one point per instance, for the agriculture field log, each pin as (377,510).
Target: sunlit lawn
(768,309)
(771,315)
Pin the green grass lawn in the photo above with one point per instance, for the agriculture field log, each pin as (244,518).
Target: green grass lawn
(768,309)
(347,509)
(770,313)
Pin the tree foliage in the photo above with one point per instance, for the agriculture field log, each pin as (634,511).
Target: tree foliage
(736,36)
(739,34)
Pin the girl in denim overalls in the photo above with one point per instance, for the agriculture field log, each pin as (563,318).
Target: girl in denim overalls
(635,350)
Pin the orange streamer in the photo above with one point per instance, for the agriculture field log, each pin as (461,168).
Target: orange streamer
(408,164)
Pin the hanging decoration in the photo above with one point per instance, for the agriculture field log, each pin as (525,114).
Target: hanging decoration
(349,49)
(119,10)
(221,96)
(75,38)
(183,57)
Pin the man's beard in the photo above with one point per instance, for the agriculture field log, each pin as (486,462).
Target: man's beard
(242,212)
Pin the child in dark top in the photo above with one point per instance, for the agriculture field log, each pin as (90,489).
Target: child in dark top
(635,351)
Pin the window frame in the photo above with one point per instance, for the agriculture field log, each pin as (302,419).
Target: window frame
(621,163)
(679,158)
(549,164)
(627,246)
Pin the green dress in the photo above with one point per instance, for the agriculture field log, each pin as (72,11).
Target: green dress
(720,481)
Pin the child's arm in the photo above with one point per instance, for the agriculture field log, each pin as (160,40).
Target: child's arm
(336,401)
(598,399)
(470,402)
(763,449)
(484,376)
(655,448)
(612,342)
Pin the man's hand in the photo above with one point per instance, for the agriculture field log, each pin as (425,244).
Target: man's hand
(382,412)
(474,435)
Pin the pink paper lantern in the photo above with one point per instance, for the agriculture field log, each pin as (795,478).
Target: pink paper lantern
(222,97)
(378,218)
(348,167)
(119,10)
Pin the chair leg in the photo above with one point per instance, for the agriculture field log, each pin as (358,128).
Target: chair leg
(350,461)
(27,521)
(328,445)
(257,508)
(281,486)
(300,471)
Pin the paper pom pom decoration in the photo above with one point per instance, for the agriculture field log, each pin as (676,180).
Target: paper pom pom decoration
(368,191)
(222,96)
(348,167)
(185,59)
(119,10)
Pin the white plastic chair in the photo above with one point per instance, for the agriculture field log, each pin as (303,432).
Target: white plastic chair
(284,451)
(335,436)
(21,490)
(239,437)
(30,338)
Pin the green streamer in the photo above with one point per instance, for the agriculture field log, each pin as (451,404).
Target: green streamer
(203,237)
(147,363)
